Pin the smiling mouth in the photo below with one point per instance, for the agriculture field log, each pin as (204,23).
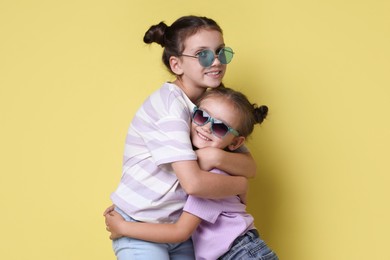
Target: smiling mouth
(201,136)
(214,73)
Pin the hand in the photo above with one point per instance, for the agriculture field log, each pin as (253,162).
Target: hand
(108,210)
(208,158)
(114,224)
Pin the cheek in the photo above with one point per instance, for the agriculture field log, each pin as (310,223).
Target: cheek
(227,140)
(221,143)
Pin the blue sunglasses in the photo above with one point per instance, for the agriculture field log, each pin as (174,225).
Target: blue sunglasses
(218,128)
(206,57)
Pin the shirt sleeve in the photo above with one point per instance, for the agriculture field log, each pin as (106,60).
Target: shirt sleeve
(167,130)
(206,209)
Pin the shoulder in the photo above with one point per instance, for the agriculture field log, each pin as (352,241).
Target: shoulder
(164,100)
(170,95)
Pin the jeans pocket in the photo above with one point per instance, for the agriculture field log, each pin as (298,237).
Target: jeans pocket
(262,251)
(270,256)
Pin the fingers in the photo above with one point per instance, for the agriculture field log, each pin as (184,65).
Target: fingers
(110,215)
(106,219)
(109,218)
(112,237)
(114,213)
(109,210)
(108,229)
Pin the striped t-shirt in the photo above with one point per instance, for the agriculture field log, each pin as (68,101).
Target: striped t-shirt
(159,134)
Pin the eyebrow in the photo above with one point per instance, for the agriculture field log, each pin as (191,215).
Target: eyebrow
(206,48)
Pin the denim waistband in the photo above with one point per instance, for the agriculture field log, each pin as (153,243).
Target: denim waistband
(252,233)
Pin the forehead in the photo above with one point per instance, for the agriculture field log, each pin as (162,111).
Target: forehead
(221,108)
(204,38)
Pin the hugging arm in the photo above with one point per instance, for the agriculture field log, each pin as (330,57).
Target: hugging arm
(159,233)
(206,184)
(235,163)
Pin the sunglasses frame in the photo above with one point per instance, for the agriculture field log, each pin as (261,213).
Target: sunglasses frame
(213,121)
(206,52)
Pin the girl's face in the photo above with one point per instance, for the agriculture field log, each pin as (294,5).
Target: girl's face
(193,74)
(222,109)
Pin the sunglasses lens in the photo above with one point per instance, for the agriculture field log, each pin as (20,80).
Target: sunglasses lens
(225,55)
(220,129)
(199,118)
(206,58)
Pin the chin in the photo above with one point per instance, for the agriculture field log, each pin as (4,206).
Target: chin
(215,84)
(199,144)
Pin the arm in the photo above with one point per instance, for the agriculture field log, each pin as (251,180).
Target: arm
(206,184)
(158,233)
(239,164)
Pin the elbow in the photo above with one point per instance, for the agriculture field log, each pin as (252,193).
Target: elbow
(252,175)
(185,233)
(252,172)
(183,236)
(251,168)
(192,188)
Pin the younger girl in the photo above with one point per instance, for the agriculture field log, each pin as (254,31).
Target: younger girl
(160,167)
(221,229)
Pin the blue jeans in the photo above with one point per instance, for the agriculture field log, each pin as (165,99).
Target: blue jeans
(249,246)
(126,248)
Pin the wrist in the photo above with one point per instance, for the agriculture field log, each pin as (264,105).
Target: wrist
(124,229)
(217,159)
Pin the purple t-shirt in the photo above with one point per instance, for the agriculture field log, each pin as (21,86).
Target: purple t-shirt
(223,221)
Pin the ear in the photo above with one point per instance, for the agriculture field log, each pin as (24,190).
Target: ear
(175,64)
(236,143)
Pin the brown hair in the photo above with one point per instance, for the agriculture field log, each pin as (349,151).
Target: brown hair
(251,114)
(172,38)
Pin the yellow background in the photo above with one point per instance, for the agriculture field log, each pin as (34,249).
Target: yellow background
(72,74)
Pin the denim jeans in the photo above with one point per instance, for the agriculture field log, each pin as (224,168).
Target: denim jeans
(129,248)
(249,246)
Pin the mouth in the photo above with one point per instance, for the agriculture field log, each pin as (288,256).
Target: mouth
(216,73)
(201,136)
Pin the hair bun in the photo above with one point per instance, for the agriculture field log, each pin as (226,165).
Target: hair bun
(156,34)
(261,113)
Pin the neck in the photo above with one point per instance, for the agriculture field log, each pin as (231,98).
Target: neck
(192,93)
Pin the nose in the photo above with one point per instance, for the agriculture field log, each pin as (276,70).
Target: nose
(207,127)
(216,60)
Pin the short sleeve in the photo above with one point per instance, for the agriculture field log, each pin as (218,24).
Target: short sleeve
(164,126)
(206,209)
